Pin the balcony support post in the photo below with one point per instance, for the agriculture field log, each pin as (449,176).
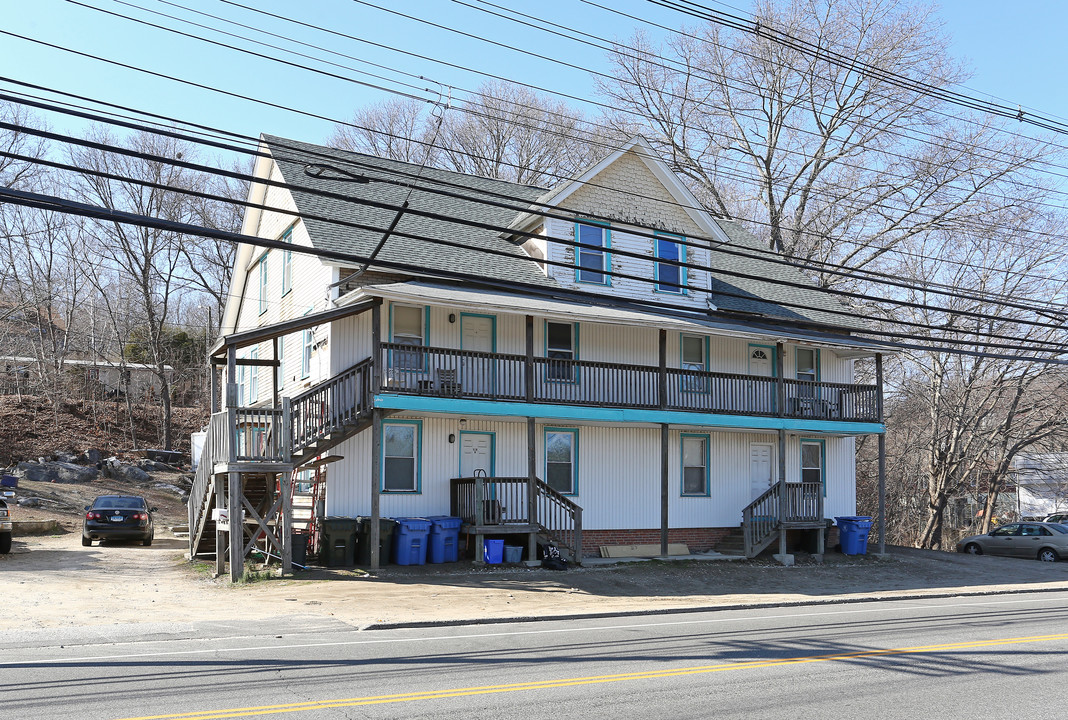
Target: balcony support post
(662,375)
(782,488)
(237,528)
(882,452)
(376,482)
(274,372)
(231,377)
(376,348)
(664,491)
(780,380)
(528,368)
(532,488)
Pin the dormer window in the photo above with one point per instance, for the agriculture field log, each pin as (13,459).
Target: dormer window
(591,259)
(670,277)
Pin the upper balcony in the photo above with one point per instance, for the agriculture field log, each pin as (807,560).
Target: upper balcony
(450,373)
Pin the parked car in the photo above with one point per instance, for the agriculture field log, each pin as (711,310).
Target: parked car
(1060,518)
(5,522)
(1040,540)
(118,517)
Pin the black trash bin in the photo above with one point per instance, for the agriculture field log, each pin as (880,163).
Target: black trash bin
(300,549)
(385,540)
(339,542)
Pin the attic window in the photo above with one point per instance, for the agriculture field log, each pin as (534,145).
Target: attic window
(591,261)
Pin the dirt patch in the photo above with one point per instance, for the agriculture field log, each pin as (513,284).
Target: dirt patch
(54,582)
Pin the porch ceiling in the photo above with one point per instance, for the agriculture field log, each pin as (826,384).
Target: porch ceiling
(479,300)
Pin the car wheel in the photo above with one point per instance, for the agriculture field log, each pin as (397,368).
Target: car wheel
(973,549)
(1048,555)
(147,541)
(5,543)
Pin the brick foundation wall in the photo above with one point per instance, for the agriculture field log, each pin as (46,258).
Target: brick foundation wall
(697,539)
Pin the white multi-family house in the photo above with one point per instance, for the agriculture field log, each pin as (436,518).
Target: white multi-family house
(601,363)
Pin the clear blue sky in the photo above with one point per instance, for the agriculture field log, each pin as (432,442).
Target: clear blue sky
(1018,52)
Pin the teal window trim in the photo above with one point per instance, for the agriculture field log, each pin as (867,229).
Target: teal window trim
(546,431)
(574,351)
(426,333)
(263,283)
(493,450)
(606,255)
(815,360)
(774,359)
(694,385)
(682,465)
(823,460)
(287,262)
(680,251)
(493,326)
(418,479)
(242,385)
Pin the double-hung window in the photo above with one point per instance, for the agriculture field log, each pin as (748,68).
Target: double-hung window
(561,460)
(287,263)
(695,465)
(408,329)
(670,277)
(695,359)
(280,371)
(592,262)
(560,350)
(263,283)
(807,364)
(812,462)
(400,457)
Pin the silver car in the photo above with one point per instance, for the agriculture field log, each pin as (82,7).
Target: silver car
(1040,540)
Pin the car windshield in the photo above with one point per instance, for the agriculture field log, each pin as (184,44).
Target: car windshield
(113,503)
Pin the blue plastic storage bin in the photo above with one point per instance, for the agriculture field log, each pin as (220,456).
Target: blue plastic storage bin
(444,543)
(853,533)
(409,541)
(494,552)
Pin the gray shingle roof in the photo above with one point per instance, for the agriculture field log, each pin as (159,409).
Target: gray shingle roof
(730,292)
(806,304)
(515,266)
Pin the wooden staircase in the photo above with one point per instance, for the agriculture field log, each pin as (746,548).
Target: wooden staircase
(784,506)
(306,426)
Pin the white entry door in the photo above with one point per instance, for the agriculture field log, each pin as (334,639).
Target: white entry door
(476,453)
(477,374)
(761,468)
(761,394)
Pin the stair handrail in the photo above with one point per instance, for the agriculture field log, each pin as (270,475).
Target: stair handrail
(323,408)
(760,518)
(212,451)
(560,507)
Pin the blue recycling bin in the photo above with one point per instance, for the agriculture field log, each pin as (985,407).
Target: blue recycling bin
(853,533)
(409,541)
(444,542)
(493,553)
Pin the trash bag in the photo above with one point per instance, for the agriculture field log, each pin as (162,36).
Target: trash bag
(556,563)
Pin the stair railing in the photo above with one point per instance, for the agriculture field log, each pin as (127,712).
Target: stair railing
(327,407)
(216,449)
(760,519)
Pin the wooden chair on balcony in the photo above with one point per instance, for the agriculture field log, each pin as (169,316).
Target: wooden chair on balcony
(447,384)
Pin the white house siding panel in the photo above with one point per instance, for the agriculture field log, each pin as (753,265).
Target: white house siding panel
(350,341)
(641,201)
(618,472)
(309,277)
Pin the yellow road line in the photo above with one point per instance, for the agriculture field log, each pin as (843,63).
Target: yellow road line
(591,680)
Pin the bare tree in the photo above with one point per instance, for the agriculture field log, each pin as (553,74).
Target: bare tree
(149,260)
(825,161)
(503,131)
(956,417)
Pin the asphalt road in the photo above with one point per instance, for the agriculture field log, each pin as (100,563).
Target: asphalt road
(963,657)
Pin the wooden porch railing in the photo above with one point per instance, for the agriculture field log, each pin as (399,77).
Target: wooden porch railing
(430,371)
(800,503)
(329,406)
(495,501)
